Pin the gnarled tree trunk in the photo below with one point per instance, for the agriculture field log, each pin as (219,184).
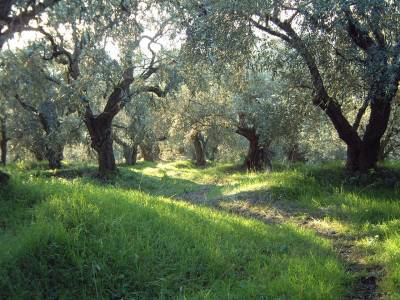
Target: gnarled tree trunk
(100,131)
(382,81)
(363,154)
(3,146)
(257,158)
(100,126)
(198,146)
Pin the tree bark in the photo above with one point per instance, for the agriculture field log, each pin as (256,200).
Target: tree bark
(100,126)
(3,141)
(363,157)
(199,151)
(100,131)
(257,158)
(365,154)
(49,120)
(130,154)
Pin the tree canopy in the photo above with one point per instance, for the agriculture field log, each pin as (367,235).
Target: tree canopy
(279,76)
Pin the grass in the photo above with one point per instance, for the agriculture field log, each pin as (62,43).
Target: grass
(66,235)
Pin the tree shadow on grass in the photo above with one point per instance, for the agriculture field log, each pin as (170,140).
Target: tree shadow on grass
(132,178)
(316,191)
(111,244)
(323,193)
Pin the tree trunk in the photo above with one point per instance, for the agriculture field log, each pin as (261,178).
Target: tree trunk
(100,131)
(257,158)
(294,154)
(55,155)
(199,151)
(3,152)
(4,177)
(364,155)
(383,86)
(3,142)
(130,154)
(382,156)
(212,152)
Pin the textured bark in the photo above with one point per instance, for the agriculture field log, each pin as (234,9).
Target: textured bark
(209,147)
(364,155)
(55,146)
(100,131)
(100,126)
(199,151)
(257,158)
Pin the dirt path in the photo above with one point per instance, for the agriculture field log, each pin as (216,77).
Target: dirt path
(366,277)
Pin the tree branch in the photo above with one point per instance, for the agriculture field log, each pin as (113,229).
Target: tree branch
(360,114)
(269,30)
(19,22)
(358,34)
(26,106)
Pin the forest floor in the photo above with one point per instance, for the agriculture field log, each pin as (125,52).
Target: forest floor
(170,230)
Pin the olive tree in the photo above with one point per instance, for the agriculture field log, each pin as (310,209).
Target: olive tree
(101,84)
(141,126)
(40,94)
(361,36)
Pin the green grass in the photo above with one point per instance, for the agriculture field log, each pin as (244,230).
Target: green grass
(66,235)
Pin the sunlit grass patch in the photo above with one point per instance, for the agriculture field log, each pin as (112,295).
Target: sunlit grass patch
(129,237)
(86,241)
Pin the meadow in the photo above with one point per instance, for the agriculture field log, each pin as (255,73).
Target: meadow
(170,230)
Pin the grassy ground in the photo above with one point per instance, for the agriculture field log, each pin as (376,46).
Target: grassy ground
(170,230)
